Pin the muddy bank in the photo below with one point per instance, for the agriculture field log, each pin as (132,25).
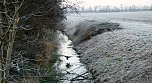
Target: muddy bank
(120,56)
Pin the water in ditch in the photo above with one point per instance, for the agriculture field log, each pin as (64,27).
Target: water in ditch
(73,70)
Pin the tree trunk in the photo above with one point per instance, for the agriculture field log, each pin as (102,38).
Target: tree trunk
(1,49)
(11,39)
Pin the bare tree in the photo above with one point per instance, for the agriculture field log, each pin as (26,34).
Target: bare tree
(25,27)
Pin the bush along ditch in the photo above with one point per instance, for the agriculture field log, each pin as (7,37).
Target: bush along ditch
(28,39)
(86,29)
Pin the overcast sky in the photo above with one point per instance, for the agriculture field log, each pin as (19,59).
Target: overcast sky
(88,3)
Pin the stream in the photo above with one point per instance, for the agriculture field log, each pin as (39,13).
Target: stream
(74,71)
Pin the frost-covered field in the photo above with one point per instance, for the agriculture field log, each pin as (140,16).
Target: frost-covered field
(138,21)
(122,56)
(145,16)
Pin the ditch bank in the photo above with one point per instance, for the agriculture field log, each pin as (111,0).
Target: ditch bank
(112,55)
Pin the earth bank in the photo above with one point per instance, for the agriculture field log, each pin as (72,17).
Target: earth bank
(118,56)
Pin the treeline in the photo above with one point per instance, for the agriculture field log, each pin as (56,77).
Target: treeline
(27,47)
(121,8)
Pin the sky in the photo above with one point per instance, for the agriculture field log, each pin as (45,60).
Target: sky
(88,3)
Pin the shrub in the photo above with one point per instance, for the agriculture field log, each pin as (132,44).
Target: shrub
(85,30)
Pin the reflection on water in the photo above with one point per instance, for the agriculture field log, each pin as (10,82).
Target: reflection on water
(70,65)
